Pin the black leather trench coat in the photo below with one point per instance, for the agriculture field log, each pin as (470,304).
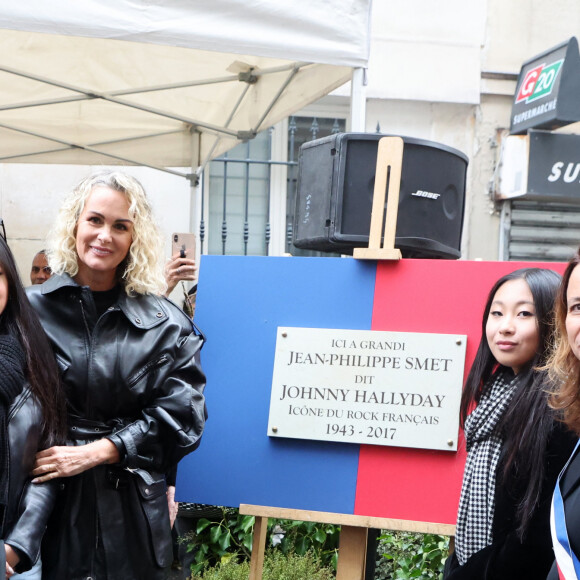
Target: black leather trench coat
(29,505)
(509,558)
(570,489)
(131,375)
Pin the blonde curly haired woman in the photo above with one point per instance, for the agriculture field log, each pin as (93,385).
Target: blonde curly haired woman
(129,361)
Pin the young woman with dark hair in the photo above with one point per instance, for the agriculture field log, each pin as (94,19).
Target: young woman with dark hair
(32,417)
(515,444)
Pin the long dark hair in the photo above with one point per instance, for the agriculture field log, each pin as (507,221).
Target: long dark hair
(528,422)
(20,320)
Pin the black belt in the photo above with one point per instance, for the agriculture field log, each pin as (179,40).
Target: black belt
(87,429)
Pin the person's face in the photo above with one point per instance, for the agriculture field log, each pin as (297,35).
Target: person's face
(103,236)
(3,289)
(40,271)
(512,327)
(573,312)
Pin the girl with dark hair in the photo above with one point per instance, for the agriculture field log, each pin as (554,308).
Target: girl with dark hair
(515,444)
(31,418)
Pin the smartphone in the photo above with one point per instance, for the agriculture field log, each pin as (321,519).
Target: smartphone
(182,242)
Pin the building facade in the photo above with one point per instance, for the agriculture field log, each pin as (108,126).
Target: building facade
(445,72)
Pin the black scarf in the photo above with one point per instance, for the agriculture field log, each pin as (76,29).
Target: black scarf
(12,363)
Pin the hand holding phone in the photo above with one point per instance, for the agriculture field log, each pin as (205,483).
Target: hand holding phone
(184,244)
(181,266)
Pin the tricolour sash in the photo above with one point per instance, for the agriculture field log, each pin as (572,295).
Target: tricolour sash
(567,562)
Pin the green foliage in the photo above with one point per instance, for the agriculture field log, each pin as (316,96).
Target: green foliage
(405,555)
(224,547)
(215,542)
(301,537)
(277,566)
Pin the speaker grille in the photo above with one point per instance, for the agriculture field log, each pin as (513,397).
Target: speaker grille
(335,189)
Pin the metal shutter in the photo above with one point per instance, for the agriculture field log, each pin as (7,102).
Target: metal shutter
(536,231)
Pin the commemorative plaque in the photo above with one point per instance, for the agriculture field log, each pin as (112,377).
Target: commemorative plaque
(367,387)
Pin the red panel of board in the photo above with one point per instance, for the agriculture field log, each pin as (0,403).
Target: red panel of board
(427,296)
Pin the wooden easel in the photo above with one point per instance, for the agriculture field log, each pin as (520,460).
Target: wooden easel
(354,529)
(353,535)
(389,164)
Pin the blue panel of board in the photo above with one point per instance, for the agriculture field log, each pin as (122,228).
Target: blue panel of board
(240,304)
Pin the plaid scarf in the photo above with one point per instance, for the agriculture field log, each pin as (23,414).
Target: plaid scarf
(477,502)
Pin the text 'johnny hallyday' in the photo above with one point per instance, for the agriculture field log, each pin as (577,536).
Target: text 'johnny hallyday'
(366,361)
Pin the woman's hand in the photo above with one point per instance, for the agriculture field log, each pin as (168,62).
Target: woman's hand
(64,461)
(12,560)
(177,269)
(172,504)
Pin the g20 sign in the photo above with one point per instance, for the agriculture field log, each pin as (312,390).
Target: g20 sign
(539,82)
(547,90)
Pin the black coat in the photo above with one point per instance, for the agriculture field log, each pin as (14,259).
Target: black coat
(570,488)
(508,558)
(133,376)
(29,505)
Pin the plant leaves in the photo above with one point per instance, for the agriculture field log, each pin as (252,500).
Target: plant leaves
(247,543)
(301,546)
(225,540)
(202,523)
(214,534)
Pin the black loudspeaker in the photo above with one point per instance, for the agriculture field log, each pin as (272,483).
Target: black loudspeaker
(336,178)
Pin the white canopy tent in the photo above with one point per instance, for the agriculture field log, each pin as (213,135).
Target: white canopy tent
(165,83)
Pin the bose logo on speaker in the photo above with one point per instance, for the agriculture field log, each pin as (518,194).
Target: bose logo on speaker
(428,194)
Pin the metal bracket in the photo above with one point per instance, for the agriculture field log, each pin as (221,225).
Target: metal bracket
(193,178)
(248,77)
(246,135)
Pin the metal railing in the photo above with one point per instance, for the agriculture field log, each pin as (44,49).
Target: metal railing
(222,168)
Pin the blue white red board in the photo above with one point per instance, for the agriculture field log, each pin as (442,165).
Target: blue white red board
(242,301)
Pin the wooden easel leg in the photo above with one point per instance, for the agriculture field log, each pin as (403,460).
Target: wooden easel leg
(351,553)
(258,547)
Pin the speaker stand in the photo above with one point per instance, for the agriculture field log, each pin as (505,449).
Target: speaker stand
(389,164)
